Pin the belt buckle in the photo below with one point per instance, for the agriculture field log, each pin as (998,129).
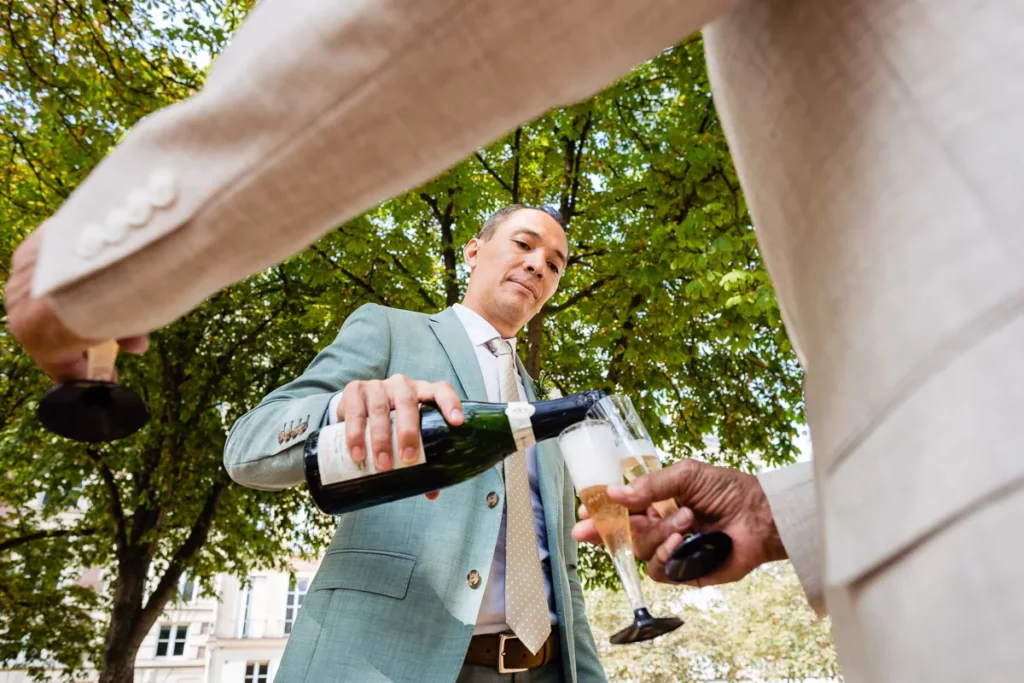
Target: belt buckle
(502,669)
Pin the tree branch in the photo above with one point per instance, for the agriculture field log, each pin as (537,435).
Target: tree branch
(224,360)
(40,535)
(679,399)
(516,155)
(577,297)
(186,551)
(577,162)
(615,367)
(445,220)
(493,173)
(116,510)
(59,190)
(365,286)
(560,385)
(424,294)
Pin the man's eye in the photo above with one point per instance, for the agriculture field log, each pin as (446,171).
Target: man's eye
(554,268)
(522,245)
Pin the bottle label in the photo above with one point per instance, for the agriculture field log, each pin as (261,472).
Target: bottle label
(519,414)
(336,464)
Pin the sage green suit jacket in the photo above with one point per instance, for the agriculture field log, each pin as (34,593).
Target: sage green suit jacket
(391,601)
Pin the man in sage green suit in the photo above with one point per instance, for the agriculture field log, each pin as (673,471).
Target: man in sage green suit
(402,593)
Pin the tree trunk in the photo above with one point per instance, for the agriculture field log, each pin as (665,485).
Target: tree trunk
(452,295)
(130,619)
(120,671)
(534,337)
(126,631)
(618,357)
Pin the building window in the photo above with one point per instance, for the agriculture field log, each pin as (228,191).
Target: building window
(186,589)
(257,672)
(171,641)
(296,592)
(246,613)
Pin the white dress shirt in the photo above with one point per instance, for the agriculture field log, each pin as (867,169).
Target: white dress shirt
(491,618)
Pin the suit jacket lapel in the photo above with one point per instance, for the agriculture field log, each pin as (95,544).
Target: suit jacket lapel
(449,331)
(531,390)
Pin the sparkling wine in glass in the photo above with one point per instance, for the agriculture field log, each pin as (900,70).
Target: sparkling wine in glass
(592,456)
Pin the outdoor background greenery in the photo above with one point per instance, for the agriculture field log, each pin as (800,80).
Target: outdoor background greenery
(665,299)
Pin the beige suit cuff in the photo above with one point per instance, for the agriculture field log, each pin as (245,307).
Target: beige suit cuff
(793,498)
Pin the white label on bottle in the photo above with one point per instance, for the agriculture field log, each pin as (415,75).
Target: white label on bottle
(336,464)
(519,414)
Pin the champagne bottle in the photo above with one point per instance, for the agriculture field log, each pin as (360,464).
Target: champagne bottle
(448,454)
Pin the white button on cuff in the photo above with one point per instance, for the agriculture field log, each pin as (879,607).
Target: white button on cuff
(162,188)
(116,226)
(90,241)
(138,208)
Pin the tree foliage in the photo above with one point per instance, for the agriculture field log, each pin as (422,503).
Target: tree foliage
(760,629)
(665,299)
(157,504)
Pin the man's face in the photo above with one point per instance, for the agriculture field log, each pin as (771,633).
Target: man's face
(517,270)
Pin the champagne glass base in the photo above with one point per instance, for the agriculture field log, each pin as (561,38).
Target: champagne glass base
(698,556)
(92,411)
(645,627)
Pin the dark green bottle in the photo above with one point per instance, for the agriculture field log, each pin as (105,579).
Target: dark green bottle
(450,455)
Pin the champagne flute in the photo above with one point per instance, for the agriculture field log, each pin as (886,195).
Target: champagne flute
(593,459)
(699,554)
(94,409)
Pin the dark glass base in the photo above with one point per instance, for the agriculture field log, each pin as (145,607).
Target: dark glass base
(92,411)
(645,627)
(698,556)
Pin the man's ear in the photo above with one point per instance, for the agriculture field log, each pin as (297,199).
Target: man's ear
(470,252)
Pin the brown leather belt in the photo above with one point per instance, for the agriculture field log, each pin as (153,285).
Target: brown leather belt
(507,653)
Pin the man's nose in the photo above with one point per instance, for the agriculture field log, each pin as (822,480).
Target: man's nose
(535,265)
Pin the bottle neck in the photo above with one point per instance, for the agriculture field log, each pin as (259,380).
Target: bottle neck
(551,417)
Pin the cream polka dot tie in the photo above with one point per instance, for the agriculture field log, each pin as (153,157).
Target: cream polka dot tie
(526,603)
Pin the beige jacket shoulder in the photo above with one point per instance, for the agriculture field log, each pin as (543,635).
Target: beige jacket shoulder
(317,111)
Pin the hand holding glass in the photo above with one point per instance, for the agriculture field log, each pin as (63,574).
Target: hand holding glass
(590,452)
(94,409)
(699,554)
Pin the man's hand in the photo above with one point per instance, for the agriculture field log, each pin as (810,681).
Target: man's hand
(372,402)
(58,351)
(709,498)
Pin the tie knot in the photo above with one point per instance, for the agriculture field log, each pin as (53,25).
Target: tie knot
(499,347)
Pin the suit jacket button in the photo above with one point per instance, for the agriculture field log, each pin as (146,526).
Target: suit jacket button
(116,226)
(162,188)
(492,499)
(90,241)
(138,209)
(473,579)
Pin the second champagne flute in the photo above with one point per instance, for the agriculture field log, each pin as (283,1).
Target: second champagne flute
(699,554)
(591,454)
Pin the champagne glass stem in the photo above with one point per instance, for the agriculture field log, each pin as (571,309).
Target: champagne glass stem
(625,566)
(100,361)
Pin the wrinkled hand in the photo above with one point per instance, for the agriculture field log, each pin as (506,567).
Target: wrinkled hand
(709,498)
(371,402)
(58,351)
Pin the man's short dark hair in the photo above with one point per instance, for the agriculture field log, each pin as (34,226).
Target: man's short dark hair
(499,216)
